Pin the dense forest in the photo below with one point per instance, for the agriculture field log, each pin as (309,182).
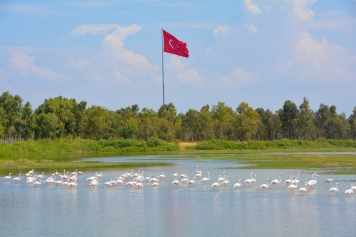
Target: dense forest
(61,117)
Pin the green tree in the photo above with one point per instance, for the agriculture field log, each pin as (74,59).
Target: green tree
(206,123)
(11,112)
(189,124)
(322,116)
(223,117)
(306,121)
(246,122)
(352,122)
(288,116)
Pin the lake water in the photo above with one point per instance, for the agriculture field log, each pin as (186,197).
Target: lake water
(181,211)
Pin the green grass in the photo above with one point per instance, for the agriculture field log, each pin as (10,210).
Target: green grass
(284,144)
(50,166)
(63,154)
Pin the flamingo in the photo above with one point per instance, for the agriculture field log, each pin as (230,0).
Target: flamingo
(215,185)
(197,176)
(253,180)
(152,180)
(40,176)
(313,181)
(276,181)
(17,178)
(190,182)
(349,191)
(184,180)
(50,180)
(225,182)
(353,187)
(36,183)
(292,187)
(198,171)
(203,180)
(72,184)
(140,185)
(237,185)
(304,189)
(289,181)
(155,184)
(160,177)
(109,183)
(94,182)
(297,179)
(334,189)
(220,179)
(176,182)
(7,177)
(182,176)
(329,180)
(264,186)
(119,181)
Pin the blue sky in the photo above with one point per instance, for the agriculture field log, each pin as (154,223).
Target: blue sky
(108,53)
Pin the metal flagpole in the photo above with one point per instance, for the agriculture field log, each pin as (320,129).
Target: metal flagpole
(162,64)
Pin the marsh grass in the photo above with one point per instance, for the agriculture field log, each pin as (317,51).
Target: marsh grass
(339,164)
(50,166)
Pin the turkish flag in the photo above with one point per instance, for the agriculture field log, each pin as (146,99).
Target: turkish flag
(174,46)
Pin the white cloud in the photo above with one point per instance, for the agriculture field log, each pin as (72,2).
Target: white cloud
(221,31)
(24,64)
(114,45)
(302,9)
(92,29)
(21,61)
(239,76)
(77,63)
(253,8)
(190,76)
(174,64)
(185,75)
(318,53)
(329,62)
(251,28)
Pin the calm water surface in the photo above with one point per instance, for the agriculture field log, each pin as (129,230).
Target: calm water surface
(166,211)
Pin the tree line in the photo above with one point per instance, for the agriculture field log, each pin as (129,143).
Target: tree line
(62,117)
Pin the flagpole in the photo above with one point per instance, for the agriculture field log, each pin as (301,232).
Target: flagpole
(162,64)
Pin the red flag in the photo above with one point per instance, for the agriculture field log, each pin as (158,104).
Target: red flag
(174,46)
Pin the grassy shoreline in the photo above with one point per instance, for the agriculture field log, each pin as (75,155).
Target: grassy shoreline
(64,154)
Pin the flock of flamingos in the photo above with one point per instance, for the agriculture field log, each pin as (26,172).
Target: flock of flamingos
(138,179)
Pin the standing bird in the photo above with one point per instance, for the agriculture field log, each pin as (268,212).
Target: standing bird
(276,181)
(198,171)
(265,185)
(215,185)
(191,182)
(237,185)
(349,191)
(226,181)
(292,187)
(353,187)
(304,189)
(203,180)
(17,178)
(176,182)
(7,177)
(334,189)
(329,180)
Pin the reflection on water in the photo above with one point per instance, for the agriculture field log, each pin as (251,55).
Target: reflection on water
(181,211)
